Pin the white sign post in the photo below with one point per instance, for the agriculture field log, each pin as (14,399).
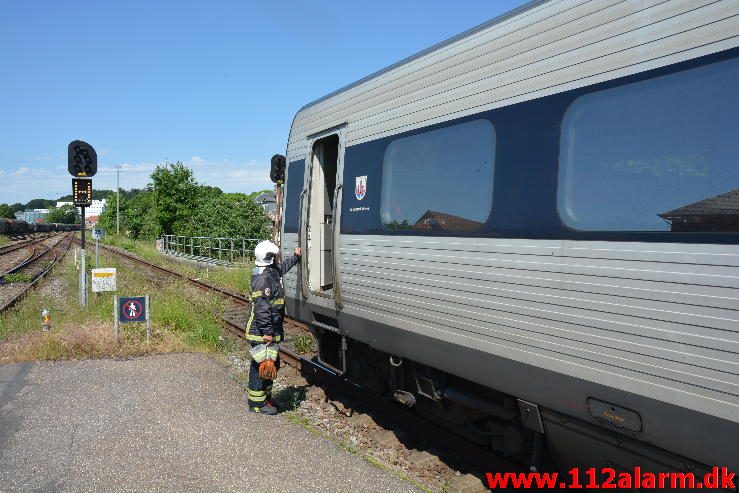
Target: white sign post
(97,234)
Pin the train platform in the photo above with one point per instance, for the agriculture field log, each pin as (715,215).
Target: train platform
(161,423)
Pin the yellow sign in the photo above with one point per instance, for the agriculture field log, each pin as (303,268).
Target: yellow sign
(103,280)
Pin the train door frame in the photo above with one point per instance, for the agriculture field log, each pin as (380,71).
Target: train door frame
(312,160)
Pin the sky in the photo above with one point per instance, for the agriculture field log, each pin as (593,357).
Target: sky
(212,84)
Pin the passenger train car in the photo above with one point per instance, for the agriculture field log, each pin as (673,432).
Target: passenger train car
(530,232)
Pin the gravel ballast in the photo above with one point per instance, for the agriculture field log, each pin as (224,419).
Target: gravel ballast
(159,423)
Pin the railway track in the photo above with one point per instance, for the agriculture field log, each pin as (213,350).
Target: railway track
(234,316)
(30,270)
(17,245)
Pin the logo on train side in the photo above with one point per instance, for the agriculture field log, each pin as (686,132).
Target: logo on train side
(361,188)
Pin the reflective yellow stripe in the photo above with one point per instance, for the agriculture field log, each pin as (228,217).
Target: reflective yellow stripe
(251,319)
(278,301)
(257,395)
(256,294)
(258,338)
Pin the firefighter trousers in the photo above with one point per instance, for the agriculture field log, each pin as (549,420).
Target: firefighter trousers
(260,391)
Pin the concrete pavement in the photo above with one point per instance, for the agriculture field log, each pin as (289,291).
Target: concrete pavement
(159,423)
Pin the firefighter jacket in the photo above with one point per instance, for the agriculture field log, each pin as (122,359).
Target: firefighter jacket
(268,302)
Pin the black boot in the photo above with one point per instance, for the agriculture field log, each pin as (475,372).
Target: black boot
(265,409)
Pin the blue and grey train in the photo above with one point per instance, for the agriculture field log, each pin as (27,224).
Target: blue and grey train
(530,232)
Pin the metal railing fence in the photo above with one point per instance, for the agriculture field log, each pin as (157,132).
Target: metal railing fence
(222,251)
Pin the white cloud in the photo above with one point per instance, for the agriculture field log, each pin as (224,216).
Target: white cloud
(28,183)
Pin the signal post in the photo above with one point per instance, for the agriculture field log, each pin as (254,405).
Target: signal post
(82,164)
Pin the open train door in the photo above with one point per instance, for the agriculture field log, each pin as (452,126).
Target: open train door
(321,216)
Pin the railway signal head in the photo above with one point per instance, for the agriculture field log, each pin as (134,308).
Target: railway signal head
(277,169)
(82,192)
(82,160)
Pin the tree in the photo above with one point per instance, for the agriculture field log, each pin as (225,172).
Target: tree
(175,196)
(140,217)
(6,211)
(40,204)
(231,215)
(107,219)
(66,214)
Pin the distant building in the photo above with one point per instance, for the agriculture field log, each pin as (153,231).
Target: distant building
(717,213)
(268,202)
(32,216)
(97,208)
(91,221)
(440,220)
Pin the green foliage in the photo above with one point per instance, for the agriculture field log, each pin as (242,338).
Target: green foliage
(96,195)
(107,218)
(254,195)
(230,215)
(174,203)
(141,217)
(304,344)
(40,204)
(17,277)
(6,211)
(175,196)
(66,214)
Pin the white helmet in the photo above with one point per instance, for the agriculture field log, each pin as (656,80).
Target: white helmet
(264,253)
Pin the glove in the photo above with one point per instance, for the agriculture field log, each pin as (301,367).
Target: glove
(267,370)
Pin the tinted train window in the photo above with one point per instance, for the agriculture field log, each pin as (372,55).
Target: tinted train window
(295,178)
(441,179)
(656,155)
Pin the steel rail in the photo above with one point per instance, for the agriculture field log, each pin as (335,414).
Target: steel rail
(24,243)
(196,282)
(18,267)
(10,303)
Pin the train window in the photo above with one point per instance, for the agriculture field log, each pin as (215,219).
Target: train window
(441,179)
(295,178)
(655,155)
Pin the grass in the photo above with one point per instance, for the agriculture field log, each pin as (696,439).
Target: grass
(17,277)
(304,344)
(183,319)
(4,240)
(234,278)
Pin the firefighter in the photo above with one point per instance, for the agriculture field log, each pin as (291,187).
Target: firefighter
(264,328)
